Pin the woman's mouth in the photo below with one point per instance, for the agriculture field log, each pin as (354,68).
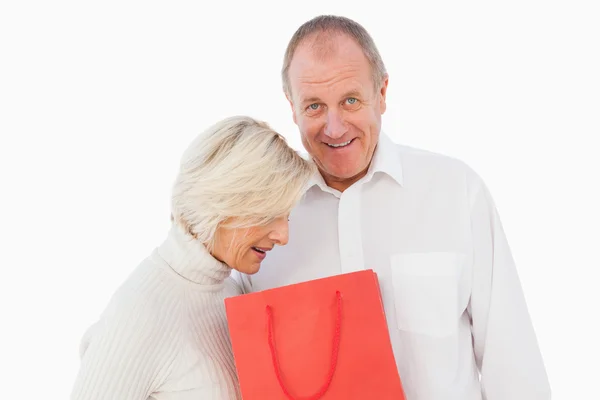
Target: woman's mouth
(260,252)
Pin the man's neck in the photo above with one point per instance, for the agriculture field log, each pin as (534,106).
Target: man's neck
(342,184)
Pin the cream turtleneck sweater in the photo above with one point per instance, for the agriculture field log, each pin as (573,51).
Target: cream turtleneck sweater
(164,333)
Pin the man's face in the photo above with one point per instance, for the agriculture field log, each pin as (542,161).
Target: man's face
(337,108)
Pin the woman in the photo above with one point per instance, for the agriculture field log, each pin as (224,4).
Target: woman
(164,333)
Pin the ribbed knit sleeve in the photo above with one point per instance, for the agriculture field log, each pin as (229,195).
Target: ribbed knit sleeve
(130,352)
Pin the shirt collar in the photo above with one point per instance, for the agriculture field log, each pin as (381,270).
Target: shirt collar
(386,159)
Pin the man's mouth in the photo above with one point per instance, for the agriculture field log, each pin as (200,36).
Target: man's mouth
(338,145)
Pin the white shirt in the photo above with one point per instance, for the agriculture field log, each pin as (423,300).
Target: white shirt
(427,225)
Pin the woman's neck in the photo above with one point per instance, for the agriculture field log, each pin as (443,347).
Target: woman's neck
(190,258)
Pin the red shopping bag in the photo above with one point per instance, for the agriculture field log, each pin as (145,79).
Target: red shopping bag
(323,339)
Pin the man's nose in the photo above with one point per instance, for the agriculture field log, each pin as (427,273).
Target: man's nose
(335,127)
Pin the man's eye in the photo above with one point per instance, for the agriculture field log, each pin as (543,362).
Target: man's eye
(351,100)
(314,107)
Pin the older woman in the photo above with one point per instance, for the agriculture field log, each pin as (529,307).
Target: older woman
(164,334)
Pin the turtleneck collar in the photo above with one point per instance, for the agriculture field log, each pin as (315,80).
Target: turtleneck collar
(190,258)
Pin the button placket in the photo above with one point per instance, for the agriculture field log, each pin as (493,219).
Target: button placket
(349,231)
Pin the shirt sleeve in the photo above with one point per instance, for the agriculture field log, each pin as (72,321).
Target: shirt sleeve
(127,355)
(506,349)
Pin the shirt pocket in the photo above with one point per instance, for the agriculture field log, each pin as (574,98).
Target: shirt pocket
(426,292)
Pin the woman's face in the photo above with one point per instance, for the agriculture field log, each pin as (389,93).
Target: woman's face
(244,249)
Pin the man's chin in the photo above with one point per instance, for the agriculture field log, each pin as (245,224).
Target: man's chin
(343,175)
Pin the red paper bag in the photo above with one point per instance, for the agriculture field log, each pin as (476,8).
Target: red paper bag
(323,339)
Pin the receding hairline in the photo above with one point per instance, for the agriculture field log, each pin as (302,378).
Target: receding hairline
(323,45)
(322,34)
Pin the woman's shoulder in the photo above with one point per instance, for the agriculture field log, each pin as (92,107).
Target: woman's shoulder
(151,284)
(146,299)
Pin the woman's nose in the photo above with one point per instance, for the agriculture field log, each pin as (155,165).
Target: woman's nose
(280,232)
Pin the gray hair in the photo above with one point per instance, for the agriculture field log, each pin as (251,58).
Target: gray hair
(333,24)
(239,170)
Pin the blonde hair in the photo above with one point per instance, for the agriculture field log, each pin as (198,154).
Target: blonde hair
(321,28)
(238,173)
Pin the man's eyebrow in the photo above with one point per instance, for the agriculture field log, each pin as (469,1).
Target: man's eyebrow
(352,93)
(310,100)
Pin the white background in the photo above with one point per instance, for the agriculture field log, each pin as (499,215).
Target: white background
(99,99)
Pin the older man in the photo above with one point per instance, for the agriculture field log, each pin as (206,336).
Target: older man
(426,223)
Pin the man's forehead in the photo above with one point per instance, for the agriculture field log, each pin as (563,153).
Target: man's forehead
(336,69)
(308,93)
(330,82)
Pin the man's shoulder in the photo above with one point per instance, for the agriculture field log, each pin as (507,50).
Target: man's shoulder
(426,165)
(419,157)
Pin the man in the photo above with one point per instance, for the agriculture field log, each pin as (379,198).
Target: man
(425,223)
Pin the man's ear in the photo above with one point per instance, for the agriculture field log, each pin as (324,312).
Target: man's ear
(292,106)
(382,93)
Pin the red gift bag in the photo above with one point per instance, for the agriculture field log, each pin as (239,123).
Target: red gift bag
(323,339)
